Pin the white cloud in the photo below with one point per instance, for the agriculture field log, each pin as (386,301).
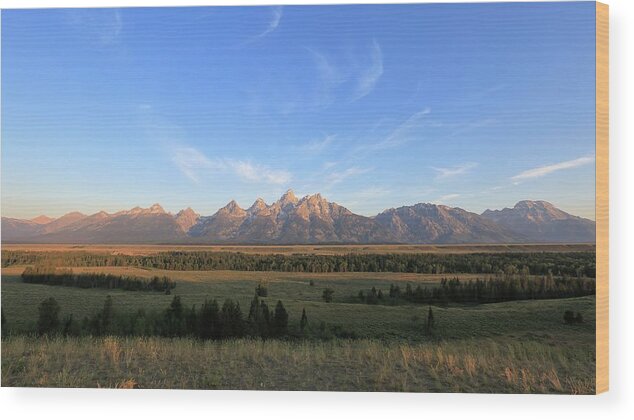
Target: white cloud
(370,75)
(276,17)
(548,169)
(446,198)
(339,176)
(258,173)
(190,161)
(453,171)
(318,146)
(329,78)
(193,163)
(400,133)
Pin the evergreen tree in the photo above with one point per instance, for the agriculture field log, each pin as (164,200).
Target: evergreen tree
(262,290)
(4,323)
(327,295)
(48,320)
(209,324)
(304,321)
(107,316)
(174,318)
(254,310)
(430,322)
(280,319)
(70,326)
(191,322)
(231,319)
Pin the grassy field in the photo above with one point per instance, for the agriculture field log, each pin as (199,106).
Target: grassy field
(520,346)
(520,319)
(306,249)
(472,365)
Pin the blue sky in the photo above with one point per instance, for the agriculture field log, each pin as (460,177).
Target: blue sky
(470,105)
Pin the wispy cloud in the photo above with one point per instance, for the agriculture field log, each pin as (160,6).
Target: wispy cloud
(446,198)
(190,161)
(401,133)
(103,26)
(340,176)
(318,146)
(329,78)
(370,75)
(471,126)
(548,169)
(276,17)
(193,164)
(258,173)
(454,170)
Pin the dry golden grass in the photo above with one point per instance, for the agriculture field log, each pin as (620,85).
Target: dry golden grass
(305,249)
(476,365)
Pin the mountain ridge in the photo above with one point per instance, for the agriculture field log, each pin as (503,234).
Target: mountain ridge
(311,219)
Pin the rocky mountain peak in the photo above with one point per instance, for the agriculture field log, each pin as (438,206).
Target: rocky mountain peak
(187,212)
(156,208)
(232,208)
(42,220)
(186,218)
(257,206)
(288,198)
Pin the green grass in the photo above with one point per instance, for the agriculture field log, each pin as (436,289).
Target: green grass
(404,322)
(521,346)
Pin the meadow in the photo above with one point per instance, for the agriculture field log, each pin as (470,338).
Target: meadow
(518,346)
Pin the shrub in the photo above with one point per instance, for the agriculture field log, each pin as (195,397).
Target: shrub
(579,318)
(48,320)
(569,317)
(261,290)
(327,295)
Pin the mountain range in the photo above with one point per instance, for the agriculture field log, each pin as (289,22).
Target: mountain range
(309,220)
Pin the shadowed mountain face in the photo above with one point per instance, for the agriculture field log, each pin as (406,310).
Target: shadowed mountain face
(540,221)
(309,220)
(430,223)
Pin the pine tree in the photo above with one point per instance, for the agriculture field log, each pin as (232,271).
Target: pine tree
(209,324)
(280,319)
(304,321)
(191,321)
(174,318)
(48,319)
(262,290)
(4,323)
(430,322)
(70,326)
(327,295)
(107,315)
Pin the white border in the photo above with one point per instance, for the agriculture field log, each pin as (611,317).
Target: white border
(618,403)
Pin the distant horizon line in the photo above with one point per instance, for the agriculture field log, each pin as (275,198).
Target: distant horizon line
(290,192)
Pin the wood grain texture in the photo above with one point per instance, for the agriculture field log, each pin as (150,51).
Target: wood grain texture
(602,196)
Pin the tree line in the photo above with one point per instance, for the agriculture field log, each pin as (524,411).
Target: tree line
(54,277)
(482,291)
(573,264)
(210,321)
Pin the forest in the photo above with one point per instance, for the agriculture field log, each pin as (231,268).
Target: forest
(481,291)
(65,277)
(573,264)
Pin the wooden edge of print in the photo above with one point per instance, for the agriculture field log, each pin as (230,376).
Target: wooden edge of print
(602,197)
